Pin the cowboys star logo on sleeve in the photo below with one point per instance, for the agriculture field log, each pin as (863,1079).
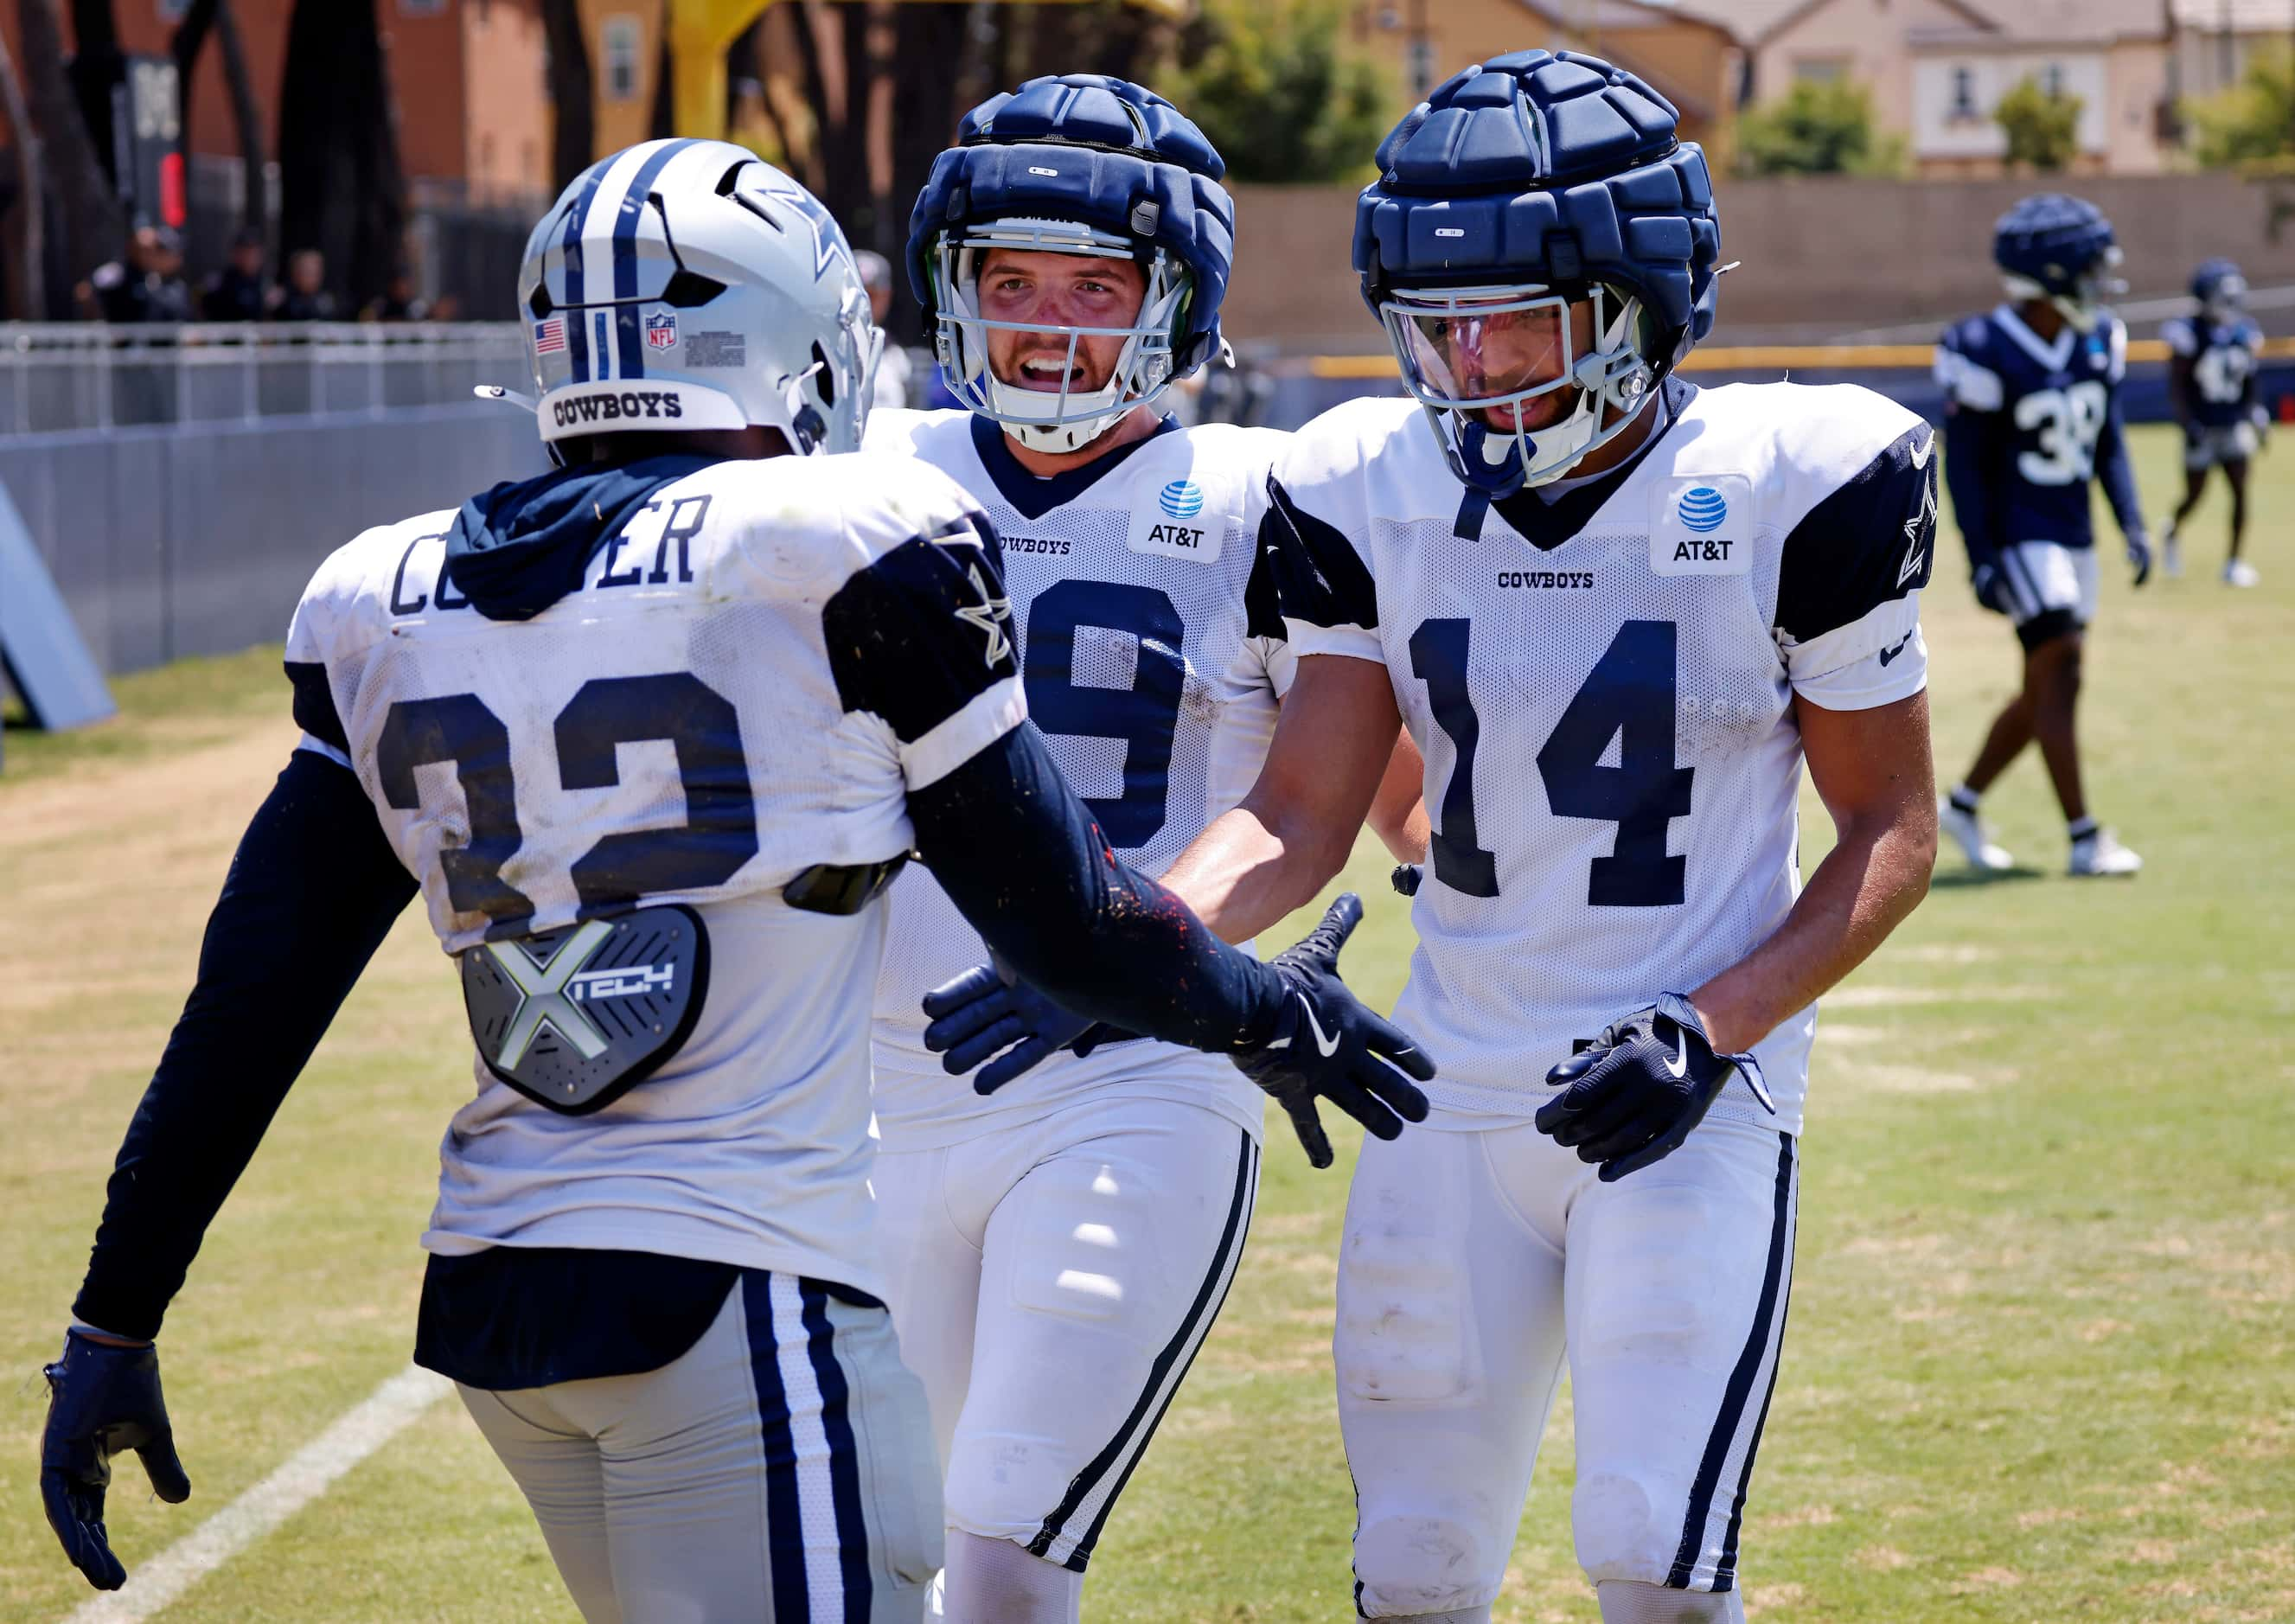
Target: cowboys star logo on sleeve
(989,614)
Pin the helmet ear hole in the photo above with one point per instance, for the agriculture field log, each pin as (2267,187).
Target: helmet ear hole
(826,374)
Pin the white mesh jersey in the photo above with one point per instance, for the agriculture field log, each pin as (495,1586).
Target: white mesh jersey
(1603,688)
(1152,652)
(747,682)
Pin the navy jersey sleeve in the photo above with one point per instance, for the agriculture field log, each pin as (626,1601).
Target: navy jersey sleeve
(2116,471)
(311,894)
(1976,449)
(1023,862)
(921,639)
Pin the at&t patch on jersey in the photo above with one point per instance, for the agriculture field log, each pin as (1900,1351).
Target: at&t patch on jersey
(1174,524)
(1702,524)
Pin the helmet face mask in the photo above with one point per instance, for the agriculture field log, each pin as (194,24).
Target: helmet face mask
(682,285)
(2081,297)
(1476,358)
(1071,417)
(2220,290)
(1546,200)
(1084,165)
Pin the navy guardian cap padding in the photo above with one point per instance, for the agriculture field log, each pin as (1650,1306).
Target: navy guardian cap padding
(1101,152)
(1536,167)
(2052,240)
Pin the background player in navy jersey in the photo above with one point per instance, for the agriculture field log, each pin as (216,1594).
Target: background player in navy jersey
(2212,356)
(1616,613)
(2031,415)
(647,733)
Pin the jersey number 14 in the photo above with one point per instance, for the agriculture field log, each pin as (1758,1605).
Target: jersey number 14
(1628,696)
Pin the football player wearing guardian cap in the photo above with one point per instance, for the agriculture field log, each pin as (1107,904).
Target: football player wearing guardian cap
(649,734)
(1057,1250)
(1616,613)
(2031,416)
(2213,353)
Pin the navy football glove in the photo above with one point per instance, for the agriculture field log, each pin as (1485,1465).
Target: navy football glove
(1631,1097)
(1328,1044)
(1991,586)
(101,1400)
(1407,878)
(2139,557)
(980,1013)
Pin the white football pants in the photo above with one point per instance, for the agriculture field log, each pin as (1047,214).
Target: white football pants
(1472,1264)
(1051,1281)
(780,1470)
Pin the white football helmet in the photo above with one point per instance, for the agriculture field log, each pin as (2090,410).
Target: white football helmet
(687,284)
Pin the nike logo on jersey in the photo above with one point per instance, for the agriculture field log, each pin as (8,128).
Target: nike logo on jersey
(1923,449)
(989,617)
(1324,1046)
(1890,653)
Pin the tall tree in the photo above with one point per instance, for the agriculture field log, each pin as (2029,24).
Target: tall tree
(92,226)
(1265,80)
(216,16)
(341,187)
(574,139)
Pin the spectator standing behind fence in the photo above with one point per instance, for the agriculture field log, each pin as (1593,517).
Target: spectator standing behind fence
(239,291)
(306,299)
(145,284)
(894,366)
(397,302)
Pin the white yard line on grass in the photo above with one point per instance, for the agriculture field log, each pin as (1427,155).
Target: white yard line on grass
(306,1476)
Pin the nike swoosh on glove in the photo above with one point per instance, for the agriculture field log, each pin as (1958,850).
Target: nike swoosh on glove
(979,1013)
(1328,1044)
(1633,1095)
(2139,557)
(101,1401)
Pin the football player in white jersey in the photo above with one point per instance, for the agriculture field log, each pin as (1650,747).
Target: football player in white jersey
(1616,614)
(1056,1252)
(649,733)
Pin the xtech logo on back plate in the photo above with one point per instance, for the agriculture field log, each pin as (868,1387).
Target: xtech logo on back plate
(1175,526)
(1701,526)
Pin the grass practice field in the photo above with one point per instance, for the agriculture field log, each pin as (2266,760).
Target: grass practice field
(2039,1362)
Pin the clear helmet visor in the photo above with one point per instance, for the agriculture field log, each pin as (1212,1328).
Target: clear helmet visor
(1468,352)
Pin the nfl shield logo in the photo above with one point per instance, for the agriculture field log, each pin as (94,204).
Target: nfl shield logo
(661,329)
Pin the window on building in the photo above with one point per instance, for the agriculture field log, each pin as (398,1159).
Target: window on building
(1821,69)
(620,42)
(1964,93)
(171,10)
(421,8)
(2052,79)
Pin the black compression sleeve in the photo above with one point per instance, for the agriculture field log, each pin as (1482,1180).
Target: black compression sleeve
(311,894)
(1025,864)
